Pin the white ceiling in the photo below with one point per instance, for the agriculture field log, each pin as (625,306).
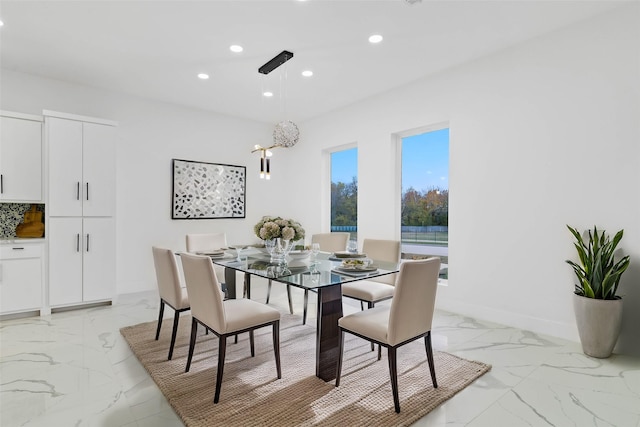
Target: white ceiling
(155,49)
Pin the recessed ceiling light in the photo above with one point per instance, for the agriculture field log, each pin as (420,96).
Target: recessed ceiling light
(203,76)
(1,23)
(267,94)
(236,48)
(376,38)
(307,73)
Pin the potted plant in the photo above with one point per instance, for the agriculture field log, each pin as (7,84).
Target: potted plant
(597,307)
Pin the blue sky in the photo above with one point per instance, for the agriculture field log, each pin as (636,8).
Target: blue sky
(425,162)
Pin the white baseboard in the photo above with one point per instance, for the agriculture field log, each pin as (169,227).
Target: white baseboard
(516,320)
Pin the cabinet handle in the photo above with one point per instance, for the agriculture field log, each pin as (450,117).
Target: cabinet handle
(1,183)
(17,249)
(78,191)
(87,191)
(78,242)
(87,242)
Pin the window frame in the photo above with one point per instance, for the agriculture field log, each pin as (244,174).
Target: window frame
(397,137)
(325,221)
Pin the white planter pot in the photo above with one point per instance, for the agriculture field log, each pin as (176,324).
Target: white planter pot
(599,323)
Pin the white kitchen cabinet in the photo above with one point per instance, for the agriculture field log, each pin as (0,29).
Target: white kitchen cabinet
(80,206)
(82,174)
(21,277)
(20,157)
(81,260)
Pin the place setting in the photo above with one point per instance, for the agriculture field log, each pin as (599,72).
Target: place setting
(356,267)
(216,254)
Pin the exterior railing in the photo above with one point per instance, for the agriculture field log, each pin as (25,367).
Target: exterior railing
(435,235)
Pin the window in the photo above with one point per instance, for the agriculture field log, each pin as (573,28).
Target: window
(425,193)
(344,191)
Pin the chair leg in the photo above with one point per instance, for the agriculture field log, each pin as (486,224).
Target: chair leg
(221,354)
(268,291)
(304,309)
(361,306)
(223,286)
(251,344)
(370,306)
(176,319)
(379,352)
(340,351)
(289,296)
(192,342)
(236,339)
(276,346)
(160,319)
(432,367)
(393,372)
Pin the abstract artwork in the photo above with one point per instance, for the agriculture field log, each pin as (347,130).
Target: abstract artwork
(208,190)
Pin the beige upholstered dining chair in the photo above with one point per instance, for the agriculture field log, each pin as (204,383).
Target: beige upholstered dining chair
(208,242)
(331,242)
(172,292)
(407,319)
(379,288)
(223,317)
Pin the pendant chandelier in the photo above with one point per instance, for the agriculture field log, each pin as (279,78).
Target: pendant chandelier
(285,134)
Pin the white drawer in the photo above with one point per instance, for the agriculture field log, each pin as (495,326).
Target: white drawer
(17,251)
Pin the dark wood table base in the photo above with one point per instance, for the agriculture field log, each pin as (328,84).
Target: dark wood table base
(327,333)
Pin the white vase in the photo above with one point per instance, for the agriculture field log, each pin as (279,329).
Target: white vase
(599,323)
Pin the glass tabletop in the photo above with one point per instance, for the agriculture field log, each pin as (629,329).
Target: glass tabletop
(304,273)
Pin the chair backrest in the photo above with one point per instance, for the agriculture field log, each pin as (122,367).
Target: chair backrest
(204,291)
(331,242)
(383,250)
(167,276)
(414,300)
(206,242)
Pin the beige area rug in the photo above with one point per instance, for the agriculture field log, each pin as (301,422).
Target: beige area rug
(251,395)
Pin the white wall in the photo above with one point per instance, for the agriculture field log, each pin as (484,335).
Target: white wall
(542,135)
(150,135)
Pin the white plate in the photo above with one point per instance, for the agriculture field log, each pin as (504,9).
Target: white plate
(223,256)
(357,269)
(341,256)
(299,254)
(354,273)
(211,253)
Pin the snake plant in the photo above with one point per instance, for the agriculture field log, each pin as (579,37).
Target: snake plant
(598,274)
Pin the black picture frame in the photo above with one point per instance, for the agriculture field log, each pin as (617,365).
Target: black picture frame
(203,190)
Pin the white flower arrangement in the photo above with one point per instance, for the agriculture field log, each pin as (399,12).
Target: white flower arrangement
(270,227)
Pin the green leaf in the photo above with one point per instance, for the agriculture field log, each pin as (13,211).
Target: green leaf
(597,272)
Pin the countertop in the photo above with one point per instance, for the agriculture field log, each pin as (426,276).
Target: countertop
(21,240)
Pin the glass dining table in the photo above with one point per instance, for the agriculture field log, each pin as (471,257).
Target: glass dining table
(323,276)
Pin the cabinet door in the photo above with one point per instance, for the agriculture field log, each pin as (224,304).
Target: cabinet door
(20,159)
(20,279)
(65,261)
(65,166)
(99,171)
(99,259)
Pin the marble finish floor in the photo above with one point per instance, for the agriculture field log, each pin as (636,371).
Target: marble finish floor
(74,368)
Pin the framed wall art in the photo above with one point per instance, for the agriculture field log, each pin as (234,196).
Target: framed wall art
(204,190)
